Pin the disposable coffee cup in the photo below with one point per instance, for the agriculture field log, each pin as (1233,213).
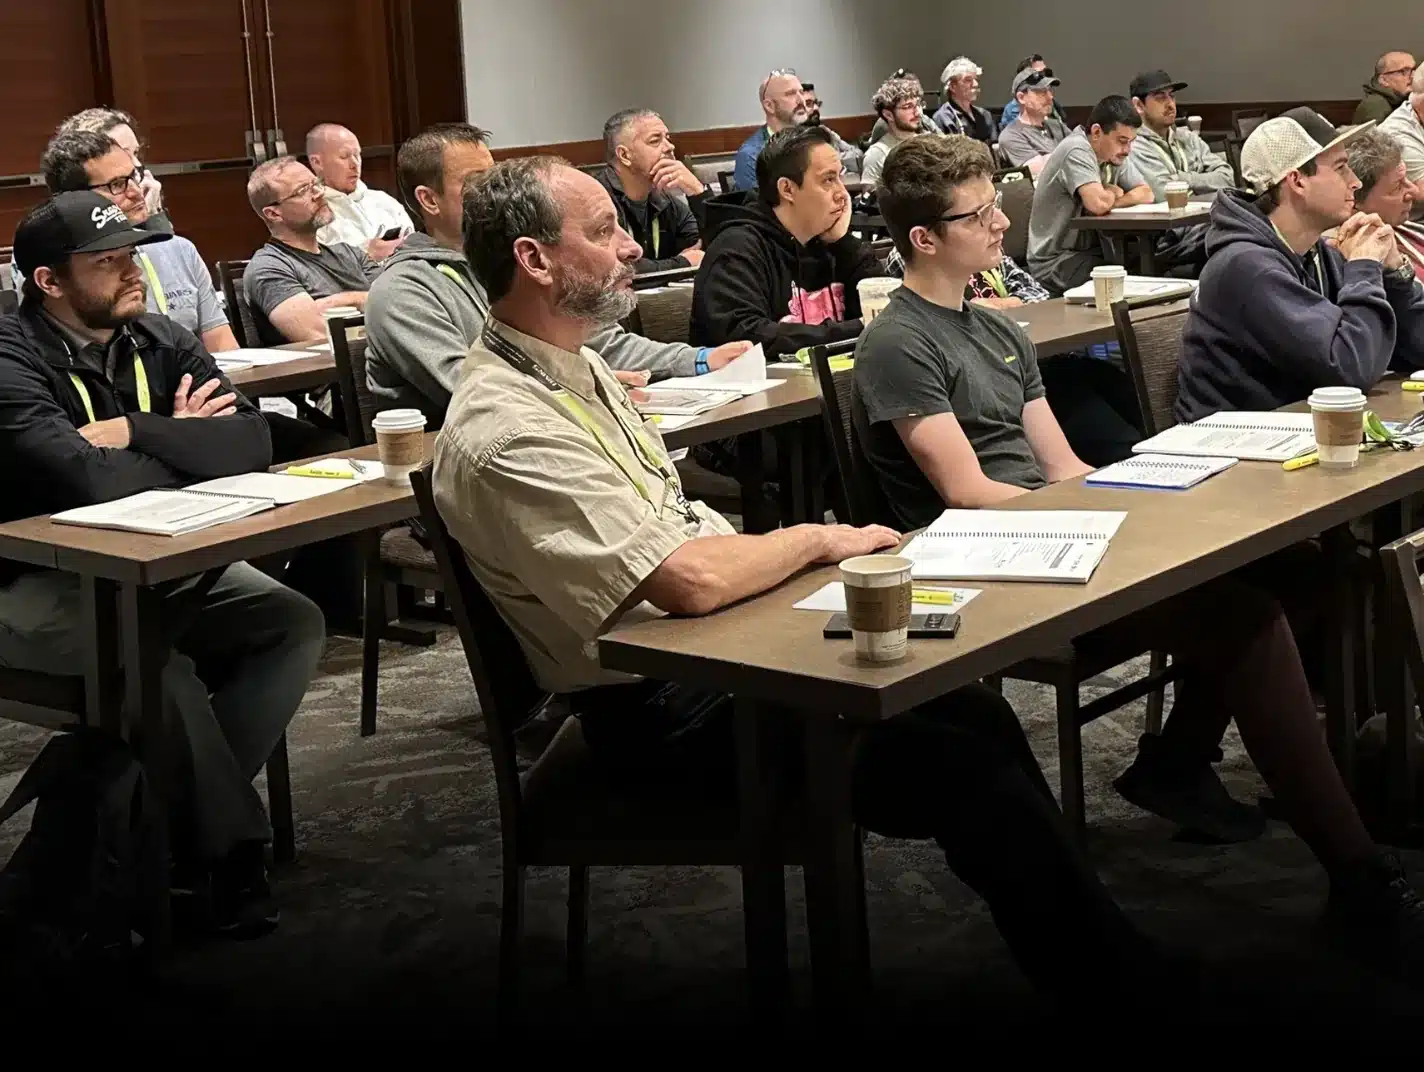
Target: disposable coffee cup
(878,597)
(1339,417)
(1178,194)
(875,295)
(1194,123)
(1109,285)
(400,437)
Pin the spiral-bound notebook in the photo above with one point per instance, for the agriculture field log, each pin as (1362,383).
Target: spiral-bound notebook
(1063,546)
(165,511)
(1251,437)
(1172,472)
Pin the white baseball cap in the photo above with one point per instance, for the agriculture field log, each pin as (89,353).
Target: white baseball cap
(1281,145)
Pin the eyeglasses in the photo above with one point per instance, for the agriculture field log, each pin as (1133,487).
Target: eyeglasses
(116,187)
(780,72)
(1399,70)
(306,190)
(984,215)
(910,105)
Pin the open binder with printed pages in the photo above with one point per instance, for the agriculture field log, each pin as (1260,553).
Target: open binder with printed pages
(1167,472)
(1063,546)
(1247,436)
(166,511)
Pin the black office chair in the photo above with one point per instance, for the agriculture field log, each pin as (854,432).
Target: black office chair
(1016,184)
(239,313)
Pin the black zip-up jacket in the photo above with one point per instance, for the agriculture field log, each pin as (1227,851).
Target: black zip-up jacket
(679,224)
(757,282)
(49,466)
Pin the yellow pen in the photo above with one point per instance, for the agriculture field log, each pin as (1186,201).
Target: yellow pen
(1301,462)
(935,596)
(1413,385)
(313,470)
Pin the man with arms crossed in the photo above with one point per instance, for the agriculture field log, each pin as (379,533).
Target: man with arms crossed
(949,410)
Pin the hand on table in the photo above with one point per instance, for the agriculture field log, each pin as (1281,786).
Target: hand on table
(847,541)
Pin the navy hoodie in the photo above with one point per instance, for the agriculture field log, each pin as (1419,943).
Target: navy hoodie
(757,282)
(1260,335)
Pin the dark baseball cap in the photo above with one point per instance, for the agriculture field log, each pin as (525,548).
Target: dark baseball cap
(1028,78)
(1313,123)
(78,221)
(1149,82)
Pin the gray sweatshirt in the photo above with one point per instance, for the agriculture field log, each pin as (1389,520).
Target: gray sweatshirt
(1181,156)
(420,323)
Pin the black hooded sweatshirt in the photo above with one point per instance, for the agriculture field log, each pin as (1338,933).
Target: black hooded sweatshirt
(757,282)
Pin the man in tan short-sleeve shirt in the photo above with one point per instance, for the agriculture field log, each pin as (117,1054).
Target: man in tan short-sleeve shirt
(571,517)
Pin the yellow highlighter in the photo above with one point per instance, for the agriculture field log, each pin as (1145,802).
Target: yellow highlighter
(317,470)
(933,596)
(1413,385)
(1301,462)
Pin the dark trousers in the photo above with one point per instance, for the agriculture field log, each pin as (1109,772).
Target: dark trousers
(958,770)
(1095,405)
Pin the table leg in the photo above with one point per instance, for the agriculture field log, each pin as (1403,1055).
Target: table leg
(1342,623)
(1148,241)
(751,473)
(813,471)
(791,471)
(763,865)
(1393,687)
(835,875)
(146,649)
(103,688)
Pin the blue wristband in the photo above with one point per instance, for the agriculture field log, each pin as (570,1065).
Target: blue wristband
(701,366)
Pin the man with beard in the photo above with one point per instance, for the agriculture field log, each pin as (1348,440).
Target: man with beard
(785,104)
(1281,311)
(294,278)
(1165,152)
(899,102)
(645,178)
(99,400)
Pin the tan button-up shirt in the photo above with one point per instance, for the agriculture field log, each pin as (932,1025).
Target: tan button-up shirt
(554,529)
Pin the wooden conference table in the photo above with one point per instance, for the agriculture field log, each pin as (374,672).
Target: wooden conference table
(1146,226)
(308,370)
(773,657)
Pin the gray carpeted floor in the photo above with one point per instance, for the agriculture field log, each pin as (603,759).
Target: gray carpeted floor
(391,913)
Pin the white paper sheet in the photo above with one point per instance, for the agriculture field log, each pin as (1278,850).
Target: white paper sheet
(746,374)
(282,488)
(831,599)
(261,356)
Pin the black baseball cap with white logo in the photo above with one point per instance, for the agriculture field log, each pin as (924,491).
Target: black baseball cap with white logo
(1150,82)
(79,221)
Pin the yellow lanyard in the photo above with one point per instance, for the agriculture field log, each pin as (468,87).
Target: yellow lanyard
(580,413)
(145,401)
(657,235)
(159,298)
(461,282)
(995,279)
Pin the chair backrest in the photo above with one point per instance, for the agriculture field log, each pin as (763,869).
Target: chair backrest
(9,302)
(358,404)
(881,247)
(707,166)
(239,313)
(665,315)
(863,502)
(724,180)
(1016,184)
(1233,157)
(1151,347)
(1247,120)
(649,280)
(503,681)
(592,169)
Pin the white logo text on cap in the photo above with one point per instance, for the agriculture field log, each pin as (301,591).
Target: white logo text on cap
(102,217)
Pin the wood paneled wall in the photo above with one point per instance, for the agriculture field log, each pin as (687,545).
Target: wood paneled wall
(384,68)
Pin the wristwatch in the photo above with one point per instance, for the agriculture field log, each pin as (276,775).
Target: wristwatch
(1403,274)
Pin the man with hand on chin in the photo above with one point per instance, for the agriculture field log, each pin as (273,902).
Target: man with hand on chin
(645,178)
(781,266)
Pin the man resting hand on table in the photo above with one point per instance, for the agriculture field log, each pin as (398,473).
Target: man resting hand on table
(948,410)
(573,521)
(99,400)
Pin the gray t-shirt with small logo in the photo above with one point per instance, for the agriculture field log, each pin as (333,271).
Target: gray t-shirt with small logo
(918,359)
(1020,142)
(278,271)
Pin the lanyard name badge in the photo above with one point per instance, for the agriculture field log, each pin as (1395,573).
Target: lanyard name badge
(160,299)
(647,456)
(145,399)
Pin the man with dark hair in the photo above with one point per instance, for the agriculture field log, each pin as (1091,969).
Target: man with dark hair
(179,284)
(1280,311)
(1012,109)
(949,410)
(899,103)
(1388,89)
(1385,191)
(1090,172)
(781,269)
(427,308)
(574,521)
(1165,152)
(122,127)
(99,400)
(927,123)
(659,199)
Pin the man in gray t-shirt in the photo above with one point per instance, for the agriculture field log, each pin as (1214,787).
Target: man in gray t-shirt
(1088,174)
(292,280)
(1035,131)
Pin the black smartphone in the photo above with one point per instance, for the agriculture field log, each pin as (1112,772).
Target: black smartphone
(394,232)
(940,625)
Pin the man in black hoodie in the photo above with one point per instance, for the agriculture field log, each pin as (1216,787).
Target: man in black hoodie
(781,265)
(644,177)
(100,400)
(1280,311)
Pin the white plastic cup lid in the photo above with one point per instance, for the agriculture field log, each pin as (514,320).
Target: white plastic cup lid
(1109,271)
(398,420)
(341,310)
(1177,184)
(878,285)
(1343,398)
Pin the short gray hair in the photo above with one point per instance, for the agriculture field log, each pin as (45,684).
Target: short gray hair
(617,123)
(66,154)
(511,200)
(1373,155)
(958,68)
(260,191)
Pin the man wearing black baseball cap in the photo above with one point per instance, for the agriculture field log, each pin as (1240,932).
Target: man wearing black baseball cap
(1165,152)
(98,400)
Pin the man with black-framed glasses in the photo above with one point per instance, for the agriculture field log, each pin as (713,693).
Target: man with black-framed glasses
(179,284)
(292,280)
(899,102)
(1388,89)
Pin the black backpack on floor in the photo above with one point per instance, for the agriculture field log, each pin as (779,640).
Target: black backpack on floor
(88,880)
